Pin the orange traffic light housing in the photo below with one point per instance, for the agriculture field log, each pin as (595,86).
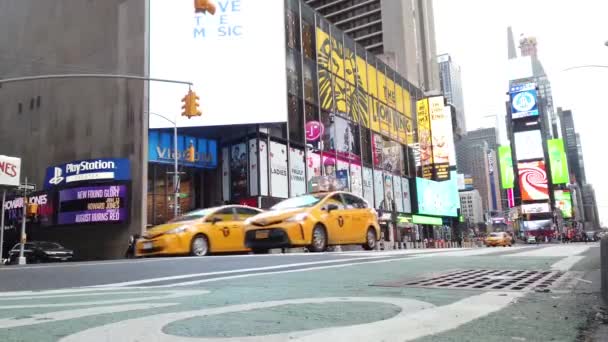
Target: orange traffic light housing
(204,6)
(190,105)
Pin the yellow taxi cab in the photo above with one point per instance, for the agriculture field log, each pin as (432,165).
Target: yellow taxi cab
(499,239)
(314,221)
(200,232)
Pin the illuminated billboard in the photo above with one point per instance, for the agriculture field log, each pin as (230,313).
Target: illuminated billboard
(528,145)
(424,138)
(563,201)
(235,60)
(524,100)
(438,198)
(507,175)
(558,161)
(441,128)
(533,181)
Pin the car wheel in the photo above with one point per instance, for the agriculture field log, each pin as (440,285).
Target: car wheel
(319,239)
(199,246)
(370,239)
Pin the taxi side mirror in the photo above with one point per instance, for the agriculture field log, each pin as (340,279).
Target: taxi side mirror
(331,207)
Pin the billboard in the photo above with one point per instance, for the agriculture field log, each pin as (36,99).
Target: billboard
(441,127)
(102,169)
(424,138)
(235,61)
(535,208)
(524,100)
(94,204)
(533,181)
(10,170)
(191,151)
(528,145)
(507,175)
(563,201)
(558,161)
(537,225)
(437,198)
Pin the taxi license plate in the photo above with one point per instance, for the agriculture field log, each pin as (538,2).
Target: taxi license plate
(148,245)
(262,234)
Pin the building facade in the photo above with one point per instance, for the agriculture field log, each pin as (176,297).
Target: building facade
(451,86)
(471,207)
(571,140)
(592,220)
(346,114)
(400,32)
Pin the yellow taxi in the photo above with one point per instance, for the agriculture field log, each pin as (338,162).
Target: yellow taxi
(499,239)
(314,221)
(200,232)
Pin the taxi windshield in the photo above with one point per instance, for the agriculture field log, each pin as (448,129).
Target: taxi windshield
(304,201)
(193,215)
(495,234)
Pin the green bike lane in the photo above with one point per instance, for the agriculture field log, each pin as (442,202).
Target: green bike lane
(339,302)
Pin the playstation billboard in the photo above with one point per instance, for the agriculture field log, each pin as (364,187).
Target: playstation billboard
(524,100)
(91,170)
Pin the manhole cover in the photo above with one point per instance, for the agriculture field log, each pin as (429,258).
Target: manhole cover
(501,280)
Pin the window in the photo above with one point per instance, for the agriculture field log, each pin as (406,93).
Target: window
(245,213)
(354,202)
(335,199)
(226,214)
(366,147)
(296,119)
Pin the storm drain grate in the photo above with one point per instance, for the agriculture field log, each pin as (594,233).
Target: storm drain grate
(484,280)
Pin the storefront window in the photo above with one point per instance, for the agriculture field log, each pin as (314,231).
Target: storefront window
(292,28)
(161,196)
(366,147)
(238,171)
(327,120)
(294,73)
(296,119)
(314,129)
(310,82)
(308,32)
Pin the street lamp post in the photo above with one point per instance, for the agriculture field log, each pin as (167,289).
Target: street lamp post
(175,164)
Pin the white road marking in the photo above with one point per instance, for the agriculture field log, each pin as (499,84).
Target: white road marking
(566,263)
(75,313)
(416,319)
(553,251)
(195,275)
(170,295)
(201,281)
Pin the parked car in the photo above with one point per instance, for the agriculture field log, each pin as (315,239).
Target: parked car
(499,239)
(531,239)
(314,221)
(40,251)
(198,233)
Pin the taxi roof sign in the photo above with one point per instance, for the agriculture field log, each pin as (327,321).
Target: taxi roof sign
(323,184)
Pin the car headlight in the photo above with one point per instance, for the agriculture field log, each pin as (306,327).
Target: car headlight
(178,230)
(297,217)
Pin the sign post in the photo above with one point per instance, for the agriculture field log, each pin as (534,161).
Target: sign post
(2,226)
(22,247)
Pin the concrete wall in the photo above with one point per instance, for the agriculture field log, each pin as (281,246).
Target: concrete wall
(55,121)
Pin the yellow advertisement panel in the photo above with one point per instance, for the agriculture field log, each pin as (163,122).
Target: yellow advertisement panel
(340,95)
(390,93)
(409,131)
(323,49)
(399,98)
(384,115)
(382,87)
(337,57)
(374,120)
(441,126)
(372,85)
(407,103)
(358,105)
(350,65)
(326,87)
(424,138)
(401,128)
(362,73)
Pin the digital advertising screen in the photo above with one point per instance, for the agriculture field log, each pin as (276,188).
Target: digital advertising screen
(441,128)
(533,181)
(93,204)
(524,100)
(558,161)
(507,175)
(537,225)
(424,138)
(528,145)
(437,198)
(563,201)
(235,61)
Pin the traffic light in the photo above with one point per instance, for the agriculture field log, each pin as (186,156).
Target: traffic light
(190,105)
(204,6)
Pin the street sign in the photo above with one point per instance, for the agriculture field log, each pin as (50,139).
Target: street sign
(27,186)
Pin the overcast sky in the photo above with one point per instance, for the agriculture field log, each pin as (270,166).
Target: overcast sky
(474,33)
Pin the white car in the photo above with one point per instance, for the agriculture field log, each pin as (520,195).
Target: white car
(531,239)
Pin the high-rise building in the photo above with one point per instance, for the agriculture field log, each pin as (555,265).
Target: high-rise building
(471,206)
(476,155)
(573,147)
(592,220)
(451,85)
(400,32)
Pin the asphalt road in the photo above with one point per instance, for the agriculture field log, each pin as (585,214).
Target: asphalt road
(421,295)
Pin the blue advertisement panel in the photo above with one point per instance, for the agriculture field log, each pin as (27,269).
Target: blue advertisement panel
(524,100)
(92,170)
(93,204)
(191,151)
(438,198)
